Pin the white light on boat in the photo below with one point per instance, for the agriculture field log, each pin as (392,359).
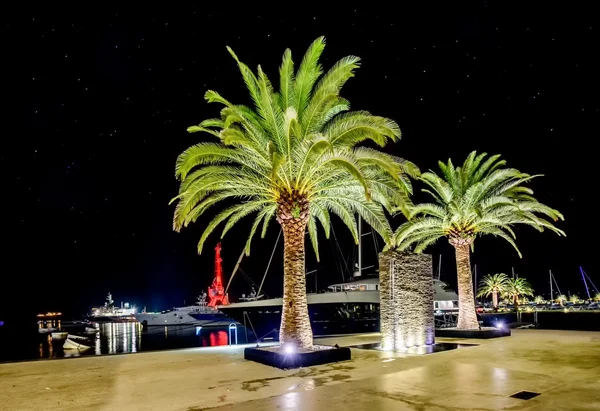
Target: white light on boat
(499,325)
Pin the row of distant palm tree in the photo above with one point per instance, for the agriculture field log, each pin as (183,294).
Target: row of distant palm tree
(295,156)
(562,299)
(500,284)
(516,290)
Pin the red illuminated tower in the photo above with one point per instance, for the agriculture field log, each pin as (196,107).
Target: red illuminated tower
(216,292)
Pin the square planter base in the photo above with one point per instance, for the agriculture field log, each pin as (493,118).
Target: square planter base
(282,360)
(484,333)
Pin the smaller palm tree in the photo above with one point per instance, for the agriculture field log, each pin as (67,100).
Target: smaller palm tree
(561,299)
(539,300)
(575,299)
(516,288)
(494,285)
(479,198)
(597,297)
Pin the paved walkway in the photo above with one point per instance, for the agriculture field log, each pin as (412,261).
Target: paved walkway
(563,366)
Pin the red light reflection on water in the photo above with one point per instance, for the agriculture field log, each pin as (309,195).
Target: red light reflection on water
(218,338)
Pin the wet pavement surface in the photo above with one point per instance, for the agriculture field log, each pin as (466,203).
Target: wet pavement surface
(563,367)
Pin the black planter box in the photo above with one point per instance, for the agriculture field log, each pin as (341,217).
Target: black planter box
(480,334)
(296,360)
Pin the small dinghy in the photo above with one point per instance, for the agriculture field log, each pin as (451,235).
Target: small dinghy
(59,335)
(78,337)
(74,345)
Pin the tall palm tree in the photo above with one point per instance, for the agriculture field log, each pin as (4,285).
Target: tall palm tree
(561,299)
(494,284)
(481,197)
(517,288)
(293,156)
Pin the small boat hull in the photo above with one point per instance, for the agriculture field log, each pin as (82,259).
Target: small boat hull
(59,335)
(212,318)
(74,345)
(77,337)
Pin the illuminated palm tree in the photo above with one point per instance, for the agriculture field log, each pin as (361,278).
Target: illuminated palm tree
(561,299)
(293,156)
(597,297)
(494,285)
(539,299)
(575,299)
(517,288)
(482,197)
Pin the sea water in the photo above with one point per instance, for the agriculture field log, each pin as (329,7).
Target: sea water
(118,338)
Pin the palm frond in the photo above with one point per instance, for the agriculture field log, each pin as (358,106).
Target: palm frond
(325,94)
(308,73)
(249,78)
(314,238)
(286,81)
(350,129)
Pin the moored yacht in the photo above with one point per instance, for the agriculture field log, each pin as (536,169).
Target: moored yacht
(345,308)
(199,314)
(110,313)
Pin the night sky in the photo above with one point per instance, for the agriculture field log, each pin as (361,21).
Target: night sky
(95,106)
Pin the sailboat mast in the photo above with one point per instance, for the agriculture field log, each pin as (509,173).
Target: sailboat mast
(237,265)
(551,293)
(591,282)
(359,246)
(475,285)
(269,264)
(587,290)
(556,283)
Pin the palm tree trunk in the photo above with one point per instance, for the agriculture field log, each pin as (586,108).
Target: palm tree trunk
(295,323)
(495,299)
(467,316)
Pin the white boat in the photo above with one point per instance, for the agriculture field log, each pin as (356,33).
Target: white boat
(110,313)
(350,307)
(48,330)
(59,335)
(77,337)
(345,308)
(74,345)
(199,314)
(90,330)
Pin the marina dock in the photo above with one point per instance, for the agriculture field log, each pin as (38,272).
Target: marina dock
(562,366)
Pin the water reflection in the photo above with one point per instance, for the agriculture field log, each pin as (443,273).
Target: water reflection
(218,338)
(119,338)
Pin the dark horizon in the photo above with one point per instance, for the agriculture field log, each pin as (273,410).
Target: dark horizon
(97,107)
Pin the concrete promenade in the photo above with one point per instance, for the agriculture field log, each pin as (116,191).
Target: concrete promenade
(563,366)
